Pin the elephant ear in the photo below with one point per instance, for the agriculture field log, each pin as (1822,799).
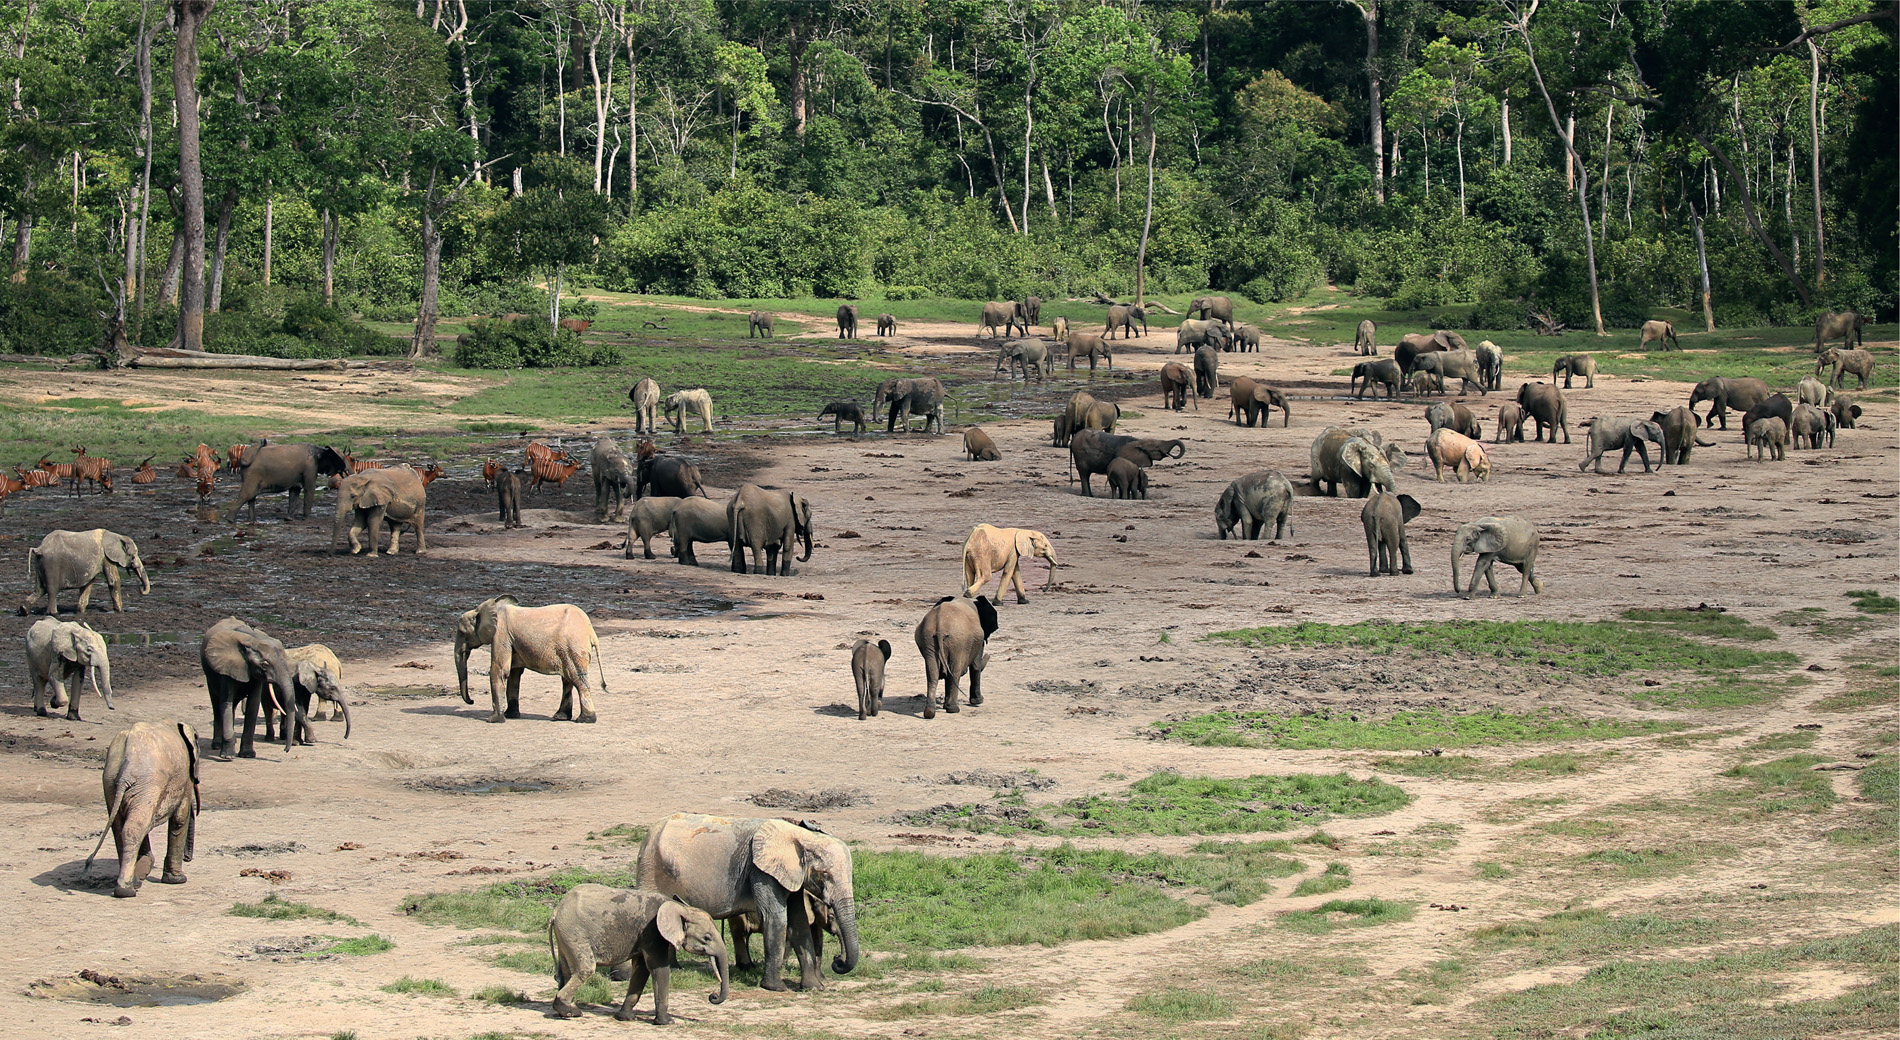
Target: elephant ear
(987,614)
(1395,455)
(1025,543)
(120,550)
(308,675)
(66,642)
(221,649)
(1487,540)
(1354,458)
(884,647)
(671,920)
(776,850)
(190,737)
(1409,508)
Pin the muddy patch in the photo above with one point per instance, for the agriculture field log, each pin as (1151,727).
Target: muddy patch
(996,780)
(264,848)
(810,801)
(93,987)
(484,785)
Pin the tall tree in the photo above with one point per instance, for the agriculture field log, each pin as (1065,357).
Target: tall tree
(188,16)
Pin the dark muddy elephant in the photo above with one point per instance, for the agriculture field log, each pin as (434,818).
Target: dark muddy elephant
(242,663)
(1092,452)
(1727,393)
(268,468)
(770,524)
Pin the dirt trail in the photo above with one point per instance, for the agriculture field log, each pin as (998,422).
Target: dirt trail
(724,685)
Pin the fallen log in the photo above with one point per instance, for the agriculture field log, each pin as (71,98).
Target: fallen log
(193,359)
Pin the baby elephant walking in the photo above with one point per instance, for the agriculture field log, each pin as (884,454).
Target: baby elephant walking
(867,670)
(599,927)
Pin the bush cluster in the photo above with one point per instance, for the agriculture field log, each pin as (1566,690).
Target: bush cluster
(528,342)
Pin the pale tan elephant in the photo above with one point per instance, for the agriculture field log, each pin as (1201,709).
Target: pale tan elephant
(552,640)
(151,775)
(318,678)
(369,498)
(697,402)
(600,927)
(1000,550)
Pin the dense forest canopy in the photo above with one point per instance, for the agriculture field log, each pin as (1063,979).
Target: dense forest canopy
(265,171)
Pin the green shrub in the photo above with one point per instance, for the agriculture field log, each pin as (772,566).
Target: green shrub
(528,342)
(899,293)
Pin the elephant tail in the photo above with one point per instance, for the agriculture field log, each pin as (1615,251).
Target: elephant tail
(115,808)
(554,954)
(593,642)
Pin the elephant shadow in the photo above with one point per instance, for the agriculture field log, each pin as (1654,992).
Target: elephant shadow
(75,876)
(478,711)
(836,711)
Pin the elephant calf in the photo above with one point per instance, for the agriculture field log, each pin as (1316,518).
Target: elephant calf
(1255,500)
(1508,538)
(1766,435)
(1126,479)
(867,671)
(1385,516)
(650,516)
(1465,456)
(1000,551)
(842,412)
(1510,423)
(58,653)
(151,774)
(598,927)
(1627,433)
(978,446)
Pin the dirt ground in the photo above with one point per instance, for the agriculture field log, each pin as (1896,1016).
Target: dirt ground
(724,685)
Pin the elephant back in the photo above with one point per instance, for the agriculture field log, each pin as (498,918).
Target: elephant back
(702,860)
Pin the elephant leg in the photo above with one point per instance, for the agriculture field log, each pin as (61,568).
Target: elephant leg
(514,692)
(930,688)
(976,684)
(177,840)
(134,849)
(252,700)
(1405,552)
(771,901)
(114,585)
(1489,565)
(1015,578)
(224,735)
(565,713)
(770,550)
(564,997)
(662,977)
(85,596)
(950,692)
(799,930)
(585,693)
(741,942)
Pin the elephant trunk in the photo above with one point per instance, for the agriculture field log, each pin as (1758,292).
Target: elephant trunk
(844,914)
(1457,550)
(343,700)
(145,582)
(461,667)
(721,969)
(805,532)
(1049,584)
(101,673)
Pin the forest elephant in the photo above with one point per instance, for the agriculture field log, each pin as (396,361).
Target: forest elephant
(1811,425)
(59,655)
(1812,391)
(758,324)
(887,324)
(727,867)
(842,412)
(1384,517)
(1510,423)
(1584,365)
(645,396)
(1090,345)
(1206,371)
(74,560)
(1003,315)
(1412,344)
(1000,551)
(316,678)
(1212,308)
(1366,341)
(376,495)
(1629,433)
(1845,411)
(1367,375)
(1858,363)
(908,397)
(978,446)
(1663,332)
(1765,435)
(669,477)
(770,524)
(508,497)
(1125,316)
(1253,501)
(557,639)
(1777,405)
(1030,308)
(1544,404)
(1126,479)
(1246,339)
(150,775)
(847,321)
(1508,538)
(697,400)
(1177,385)
(953,638)
(1490,365)
(1025,354)
(1725,393)
(698,520)
(867,674)
(1091,452)
(1253,401)
(1194,334)
(649,516)
(1680,434)
(269,468)
(614,478)
(1349,463)
(1455,417)
(598,927)
(1466,457)
(1845,326)
(243,663)
(1452,364)
(1084,412)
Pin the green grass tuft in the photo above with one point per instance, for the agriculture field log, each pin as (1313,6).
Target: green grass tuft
(1415,730)
(1336,877)
(989,1000)
(274,908)
(1867,601)
(515,906)
(499,995)
(1169,803)
(425,987)
(1880,781)
(1570,934)
(1433,767)
(1182,1005)
(1785,784)
(361,946)
(1355,913)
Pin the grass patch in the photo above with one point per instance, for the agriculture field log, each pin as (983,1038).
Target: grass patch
(425,987)
(1880,782)
(1335,877)
(1169,803)
(1404,731)
(514,906)
(1785,784)
(1432,767)
(1355,913)
(1784,741)
(1582,827)
(1557,763)
(361,946)
(621,834)
(1643,863)
(1856,699)
(1491,870)
(1569,934)
(1182,1005)
(274,908)
(986,1001)
(528,962)
(1867,601)
(499,995)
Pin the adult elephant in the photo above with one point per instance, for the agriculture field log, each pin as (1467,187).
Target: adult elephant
(1845,326)
(1253,501)
(1490,364)
(953,639)
(910,397)
(758,324)
(1084,412)
(1177,384)
(1809,423)
(1384,517)
(1858,363)
(645,396)
(1680,435)
(1002,315)
(1383,372)
(1725,393)
(1452,364)
(667,476)
(1366,341)
(729,867)
(1544,403)
(1026,354)
(1092,452)
(1000,551)
(680,402)
(74,560)
(1350,463)
(1253,400)
(847,321)
(1030,309)
(268,468)
(1584,365)
(1663,332)
(1455,417)
(1508,538)
(1627,433)
(151,775)
(1194,334)
(397,495)
(614,478)
(58,655)
(1206,372)
(1090,345)
(557,639)
(697,520)
(769,523)
(243,663)
(1776,406)
(1413,344)
(1212,308)
(1125,316)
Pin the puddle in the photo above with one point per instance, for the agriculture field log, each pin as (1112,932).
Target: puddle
(502,787)
(145,638)
(407,692)
(128,991)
